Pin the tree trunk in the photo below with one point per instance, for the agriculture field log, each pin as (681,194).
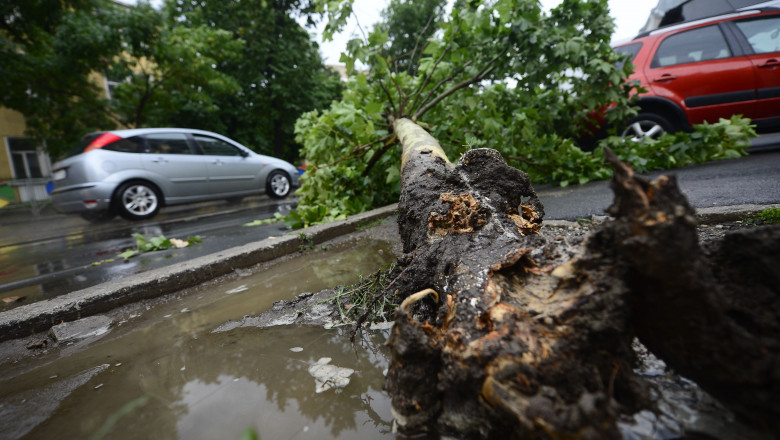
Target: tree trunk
(502,333)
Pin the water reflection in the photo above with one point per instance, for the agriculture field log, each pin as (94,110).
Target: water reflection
(167,375)
(273,391)
(86,255)
(224,383)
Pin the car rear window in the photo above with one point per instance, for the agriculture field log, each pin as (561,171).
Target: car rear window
(83,143)
(702,44)
(763,34)
(128,145)
(629,49)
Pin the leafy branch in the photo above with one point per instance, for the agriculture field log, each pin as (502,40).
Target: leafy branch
(159,243)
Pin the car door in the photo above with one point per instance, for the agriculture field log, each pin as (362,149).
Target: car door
(180,171)
(231,170)
(698,69)
(763,36)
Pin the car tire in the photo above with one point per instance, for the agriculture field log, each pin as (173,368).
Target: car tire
(98,216)
(137,200)
(278,185)
(647,125)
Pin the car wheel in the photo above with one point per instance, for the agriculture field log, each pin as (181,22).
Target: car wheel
(98,216)
(278,185)
(646,125)
(137,200)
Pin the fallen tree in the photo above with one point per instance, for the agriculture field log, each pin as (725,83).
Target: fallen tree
(499,334)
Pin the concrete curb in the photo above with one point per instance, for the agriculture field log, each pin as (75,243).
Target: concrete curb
(40,316)
(733,213)
(705,216)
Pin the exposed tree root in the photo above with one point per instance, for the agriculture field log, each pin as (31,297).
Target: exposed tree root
(497,337)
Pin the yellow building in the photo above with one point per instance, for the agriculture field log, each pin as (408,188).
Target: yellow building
(24,166)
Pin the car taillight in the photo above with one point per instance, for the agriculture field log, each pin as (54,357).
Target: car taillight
(102,140)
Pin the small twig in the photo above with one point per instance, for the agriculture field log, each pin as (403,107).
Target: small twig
(389,98)
(428,78)
(401,100)
(378,155)
(370,306)
(358,25)
(341,135)
(417,43)
(479,77)
(380,140)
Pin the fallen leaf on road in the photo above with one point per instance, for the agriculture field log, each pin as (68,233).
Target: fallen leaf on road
(179,243)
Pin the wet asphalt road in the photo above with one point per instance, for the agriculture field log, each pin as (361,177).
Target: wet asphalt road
(53,254)
(753,180)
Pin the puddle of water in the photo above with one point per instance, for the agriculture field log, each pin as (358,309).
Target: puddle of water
(162,373)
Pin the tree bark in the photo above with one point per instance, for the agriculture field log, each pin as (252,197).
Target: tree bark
(502,333)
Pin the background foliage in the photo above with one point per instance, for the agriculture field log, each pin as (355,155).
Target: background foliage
(48,50)
(246,69)
(279,71)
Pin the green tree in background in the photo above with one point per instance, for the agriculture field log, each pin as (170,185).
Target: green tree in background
(48,50)
(54,54)
(176,67)
(280,72)
(408,25)
(164,67)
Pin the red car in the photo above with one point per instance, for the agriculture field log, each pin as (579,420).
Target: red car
(708,69)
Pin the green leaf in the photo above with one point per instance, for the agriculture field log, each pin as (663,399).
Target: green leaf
(126,255)
(393,175)
(140,241)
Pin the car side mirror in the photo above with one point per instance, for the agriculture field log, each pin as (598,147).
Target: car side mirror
(243,153)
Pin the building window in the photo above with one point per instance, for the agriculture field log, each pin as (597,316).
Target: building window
(25,159)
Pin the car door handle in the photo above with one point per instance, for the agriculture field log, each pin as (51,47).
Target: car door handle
(665,77)
(217,162)
(770,63)
(159,160)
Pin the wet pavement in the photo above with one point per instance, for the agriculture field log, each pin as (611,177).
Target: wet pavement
(711,187)
(160,371)
(54,254)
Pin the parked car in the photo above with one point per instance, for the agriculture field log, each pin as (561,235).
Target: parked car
(707,69)
(135,172)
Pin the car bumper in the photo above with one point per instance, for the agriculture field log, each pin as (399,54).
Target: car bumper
(88,197)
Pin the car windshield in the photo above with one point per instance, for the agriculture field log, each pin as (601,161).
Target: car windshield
(86,140)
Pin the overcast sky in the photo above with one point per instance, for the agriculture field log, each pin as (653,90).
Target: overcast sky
(629,15)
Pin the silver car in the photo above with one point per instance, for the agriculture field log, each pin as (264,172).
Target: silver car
(135,172)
